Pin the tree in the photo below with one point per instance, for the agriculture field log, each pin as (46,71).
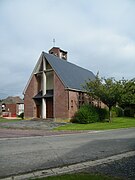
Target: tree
(127,94)
(106,90)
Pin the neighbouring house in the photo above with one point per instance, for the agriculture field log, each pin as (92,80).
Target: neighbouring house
(11,106)
(54,89)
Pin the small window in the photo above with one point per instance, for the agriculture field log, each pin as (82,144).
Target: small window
(72,103)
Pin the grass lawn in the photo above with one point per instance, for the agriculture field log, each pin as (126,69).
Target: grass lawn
(79,176)
(119,122)
(3,120)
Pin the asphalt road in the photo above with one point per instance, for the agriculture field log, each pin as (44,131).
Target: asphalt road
(27,154)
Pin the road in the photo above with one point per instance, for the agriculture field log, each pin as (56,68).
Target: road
(27,154)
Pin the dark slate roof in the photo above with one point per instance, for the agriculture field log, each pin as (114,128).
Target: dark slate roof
(49,93)
(38,95)
(72,76)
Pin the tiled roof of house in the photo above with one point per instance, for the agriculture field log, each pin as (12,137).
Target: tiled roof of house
(13,100)
(72,76)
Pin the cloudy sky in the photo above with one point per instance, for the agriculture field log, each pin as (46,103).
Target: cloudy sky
(98,34)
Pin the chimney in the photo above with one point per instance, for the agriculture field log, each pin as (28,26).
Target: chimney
(56,51)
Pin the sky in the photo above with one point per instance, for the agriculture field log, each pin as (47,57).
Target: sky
(99,35)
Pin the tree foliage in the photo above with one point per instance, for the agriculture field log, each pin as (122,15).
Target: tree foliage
(106,90)
(127,93)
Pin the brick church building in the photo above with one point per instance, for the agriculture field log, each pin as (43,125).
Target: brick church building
(54,89)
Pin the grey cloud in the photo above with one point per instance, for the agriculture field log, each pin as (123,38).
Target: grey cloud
(98,34)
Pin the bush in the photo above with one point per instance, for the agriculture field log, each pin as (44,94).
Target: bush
(129,112)
(116,112)
(86,114)
(103,114)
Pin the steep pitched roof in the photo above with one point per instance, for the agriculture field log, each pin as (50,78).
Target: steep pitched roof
(72,76)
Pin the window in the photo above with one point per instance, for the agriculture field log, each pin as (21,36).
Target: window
(3,107)
(72,102)
(81,99)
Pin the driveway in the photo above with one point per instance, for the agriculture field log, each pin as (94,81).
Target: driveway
(26,128)
(31,124)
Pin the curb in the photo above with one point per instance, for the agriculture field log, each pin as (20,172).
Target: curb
(70,168)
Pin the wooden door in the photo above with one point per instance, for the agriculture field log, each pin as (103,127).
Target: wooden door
(38,111)
(49,108)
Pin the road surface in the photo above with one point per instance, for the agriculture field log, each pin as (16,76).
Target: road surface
(27,154)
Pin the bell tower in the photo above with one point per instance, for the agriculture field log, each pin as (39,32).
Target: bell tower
(56,51)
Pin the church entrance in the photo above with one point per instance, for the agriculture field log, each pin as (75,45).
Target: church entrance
(49,107)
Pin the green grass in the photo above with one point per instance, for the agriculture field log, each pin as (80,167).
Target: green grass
(79,176)
(116,124)
(3,120)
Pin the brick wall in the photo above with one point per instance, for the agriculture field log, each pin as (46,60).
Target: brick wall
(11,108)
(29,104)
(61,104)
(73,103)
(65,101)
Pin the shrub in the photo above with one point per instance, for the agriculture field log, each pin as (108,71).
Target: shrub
(86,114)
(103,114)
(129,112)
(117,112)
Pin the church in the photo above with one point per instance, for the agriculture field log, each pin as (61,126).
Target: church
(55,87)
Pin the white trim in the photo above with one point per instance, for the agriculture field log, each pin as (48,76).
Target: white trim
(44,77)
(34,71)
(43,108)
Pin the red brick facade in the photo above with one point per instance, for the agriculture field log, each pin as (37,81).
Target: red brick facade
(29,104)
(65,102)
(73,103)
(60,99)
(11,108)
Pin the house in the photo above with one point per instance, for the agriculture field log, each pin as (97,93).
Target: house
(54,89)
(12,106)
